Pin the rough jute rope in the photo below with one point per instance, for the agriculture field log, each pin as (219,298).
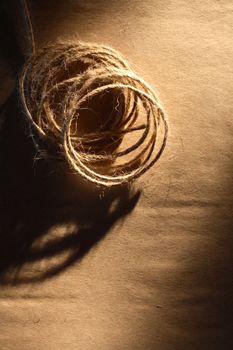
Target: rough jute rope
(61,80)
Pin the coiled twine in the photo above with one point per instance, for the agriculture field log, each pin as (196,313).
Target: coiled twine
(84,101)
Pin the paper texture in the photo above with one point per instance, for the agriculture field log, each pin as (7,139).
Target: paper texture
(161,277)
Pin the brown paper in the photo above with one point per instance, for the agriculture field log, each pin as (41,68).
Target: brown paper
(161,277)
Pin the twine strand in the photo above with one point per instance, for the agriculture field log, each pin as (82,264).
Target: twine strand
(28,19)
(60,82)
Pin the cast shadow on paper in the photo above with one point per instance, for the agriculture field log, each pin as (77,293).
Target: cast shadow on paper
(50,218)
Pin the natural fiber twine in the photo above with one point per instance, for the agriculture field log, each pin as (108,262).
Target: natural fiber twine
(60,86)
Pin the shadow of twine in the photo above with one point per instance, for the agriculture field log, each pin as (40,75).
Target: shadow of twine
(37,198)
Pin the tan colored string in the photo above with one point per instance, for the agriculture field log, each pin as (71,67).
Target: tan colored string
(63,80)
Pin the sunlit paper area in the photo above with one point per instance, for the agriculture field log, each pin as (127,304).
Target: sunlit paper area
(143,268)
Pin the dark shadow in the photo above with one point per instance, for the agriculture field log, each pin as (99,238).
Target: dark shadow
(49,218)
(215,269)
(45,211)
(9,48)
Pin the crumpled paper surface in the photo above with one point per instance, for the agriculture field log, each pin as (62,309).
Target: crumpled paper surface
(161,277)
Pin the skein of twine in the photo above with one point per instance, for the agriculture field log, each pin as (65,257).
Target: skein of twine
(54,91)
